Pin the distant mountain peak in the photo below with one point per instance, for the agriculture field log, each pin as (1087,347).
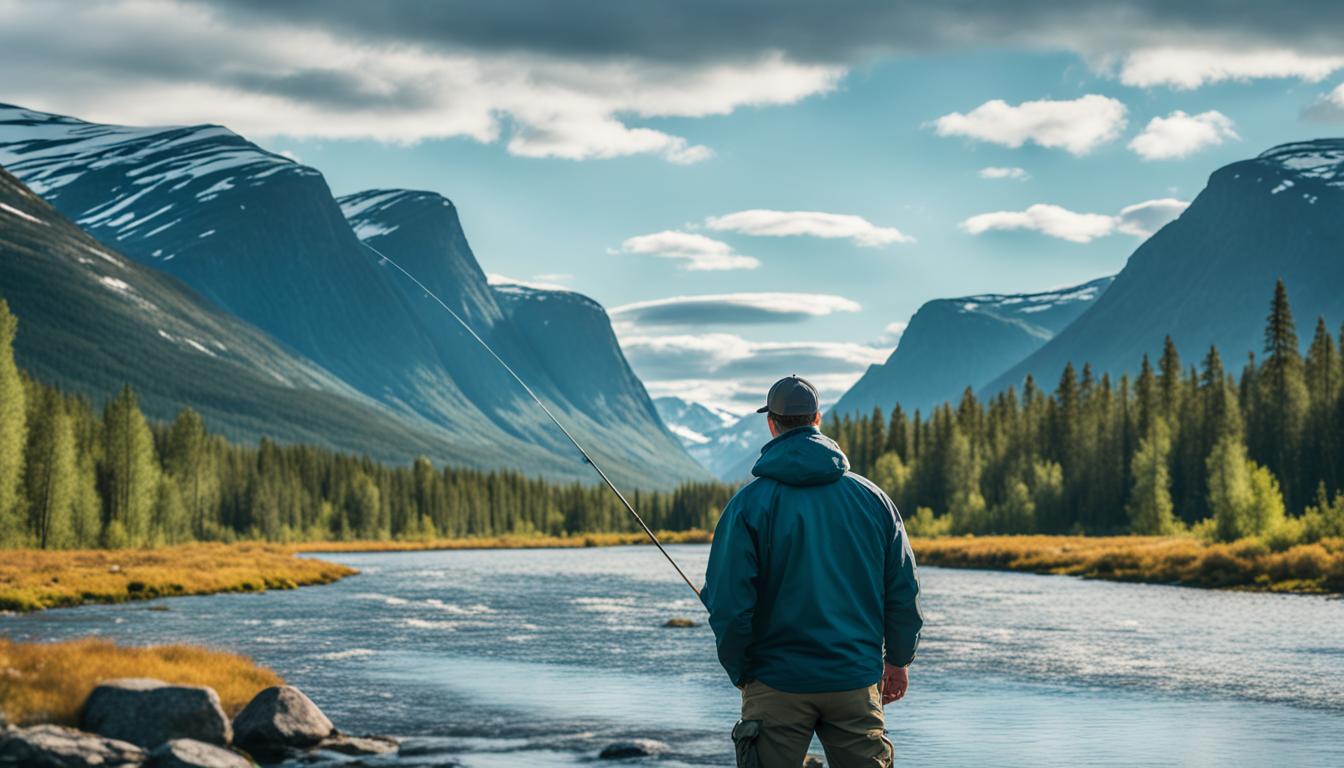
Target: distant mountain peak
(376,212)
(1320,159)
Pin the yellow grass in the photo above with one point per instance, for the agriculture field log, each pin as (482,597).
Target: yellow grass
(36,579)
(48,682)
(1247,564)
(507,542)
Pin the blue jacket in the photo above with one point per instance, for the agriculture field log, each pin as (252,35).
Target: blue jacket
(810,574)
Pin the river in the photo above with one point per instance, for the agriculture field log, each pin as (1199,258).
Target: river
(542,657)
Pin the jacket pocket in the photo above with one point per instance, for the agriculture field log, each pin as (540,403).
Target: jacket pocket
(745,734)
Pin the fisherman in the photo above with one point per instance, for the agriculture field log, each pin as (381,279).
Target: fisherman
(813,598)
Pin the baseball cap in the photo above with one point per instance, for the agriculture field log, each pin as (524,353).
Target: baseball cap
(791,396)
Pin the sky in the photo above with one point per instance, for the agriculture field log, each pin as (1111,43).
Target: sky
(752,189)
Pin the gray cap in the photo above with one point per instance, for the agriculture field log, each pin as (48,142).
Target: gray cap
(792,396)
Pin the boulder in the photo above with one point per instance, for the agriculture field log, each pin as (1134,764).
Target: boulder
(190,753)
(55,746)
(149,712)
(680,623)
(279,719)
(633,748)
(812,761)
(358,745)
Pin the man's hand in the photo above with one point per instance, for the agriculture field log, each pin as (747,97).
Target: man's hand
(894,682)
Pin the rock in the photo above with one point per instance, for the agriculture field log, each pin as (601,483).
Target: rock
(149,712)
(55,746)
(632,748)
(358,745)
(812,761)
(190,753)
(680,623)
(277,719)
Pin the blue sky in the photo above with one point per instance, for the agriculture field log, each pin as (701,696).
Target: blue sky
(594,154)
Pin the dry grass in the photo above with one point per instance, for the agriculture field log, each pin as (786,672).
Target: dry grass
(48,682)
(36,579)
(507,542)
(1247,564)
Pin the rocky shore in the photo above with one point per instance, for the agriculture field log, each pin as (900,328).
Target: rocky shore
(139,722)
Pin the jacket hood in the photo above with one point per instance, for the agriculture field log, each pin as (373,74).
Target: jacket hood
(802,456)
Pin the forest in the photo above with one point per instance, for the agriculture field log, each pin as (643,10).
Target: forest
(1176,450)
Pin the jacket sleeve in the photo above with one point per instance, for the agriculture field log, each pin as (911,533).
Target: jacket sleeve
(730,589)
(904,619)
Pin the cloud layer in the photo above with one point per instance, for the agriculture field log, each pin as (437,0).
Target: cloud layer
(1016,174)
(696,253)
(1140,220)
(767,223)
(1179,135)
(732,309)
(1077,126)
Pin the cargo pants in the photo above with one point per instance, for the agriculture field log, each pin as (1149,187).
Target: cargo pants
(776,728)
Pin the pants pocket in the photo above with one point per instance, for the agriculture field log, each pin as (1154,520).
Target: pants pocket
(745,734)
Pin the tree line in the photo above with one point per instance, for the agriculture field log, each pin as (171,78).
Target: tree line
(1176,448)
(72,475)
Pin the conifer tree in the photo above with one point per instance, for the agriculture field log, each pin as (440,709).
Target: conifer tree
(1282,400)
(13,429)
(191,465)
(1150,507)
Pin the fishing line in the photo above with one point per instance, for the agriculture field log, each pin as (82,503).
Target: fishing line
(588,459)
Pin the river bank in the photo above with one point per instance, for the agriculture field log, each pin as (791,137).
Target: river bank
(37,579)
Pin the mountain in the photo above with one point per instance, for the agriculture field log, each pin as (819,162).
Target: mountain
(1208,277)
(951,344)
(91,320)
(261,237)
(691,422)
(560,342)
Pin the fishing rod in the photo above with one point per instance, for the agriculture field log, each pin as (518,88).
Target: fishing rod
(586,457)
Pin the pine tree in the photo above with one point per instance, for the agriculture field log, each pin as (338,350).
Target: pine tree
(13,430)
(191,465)
(1282,398)
(1325,379)
(132,470)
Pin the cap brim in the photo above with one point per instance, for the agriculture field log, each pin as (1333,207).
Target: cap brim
(763,409)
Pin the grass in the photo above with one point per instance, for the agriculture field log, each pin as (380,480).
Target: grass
(518,541)
(1247,564)
(48,682)
(36,579)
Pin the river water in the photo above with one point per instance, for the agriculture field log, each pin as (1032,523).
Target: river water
(542,657)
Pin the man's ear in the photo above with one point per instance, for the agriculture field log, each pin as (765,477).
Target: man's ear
(816,422)
(770,424)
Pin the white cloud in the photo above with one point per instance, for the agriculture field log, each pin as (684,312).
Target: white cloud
(1078,126)
(1140,220)
(1016,174)
(733,308)
(891,335)
(696,252)
(1047,219)
(1179,135)
(494,278)
(767,223)
(1187,68)
(1143,219)
(1329,108)
(726,370)
(276,79)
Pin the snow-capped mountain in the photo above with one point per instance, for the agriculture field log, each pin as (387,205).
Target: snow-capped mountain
(560,342)
(262,237)
(1207,277)
(691,422)
(951,344)
(91,319)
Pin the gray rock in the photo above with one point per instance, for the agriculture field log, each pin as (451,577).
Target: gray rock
(812,761)
(55,746)
(149,712)
(190,753)
(358,745)
(278,719)
(633,748)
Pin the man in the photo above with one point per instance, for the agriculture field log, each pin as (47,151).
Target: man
(812,595)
